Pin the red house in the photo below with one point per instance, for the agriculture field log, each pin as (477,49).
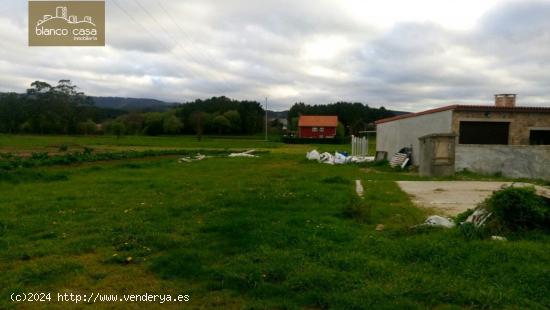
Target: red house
(317,126)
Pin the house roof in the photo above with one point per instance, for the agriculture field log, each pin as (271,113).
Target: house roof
(469,108)
(318,120)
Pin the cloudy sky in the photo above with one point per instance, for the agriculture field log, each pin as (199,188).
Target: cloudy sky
(401,54)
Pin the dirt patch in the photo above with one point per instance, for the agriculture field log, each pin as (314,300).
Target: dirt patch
(454,197)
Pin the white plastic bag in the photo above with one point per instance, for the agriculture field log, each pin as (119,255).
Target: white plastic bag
(436,220)
(339,158)
(327,158)
(313,155)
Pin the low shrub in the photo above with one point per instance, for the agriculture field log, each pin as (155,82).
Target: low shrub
(63,147)
(357,209)
(518,208)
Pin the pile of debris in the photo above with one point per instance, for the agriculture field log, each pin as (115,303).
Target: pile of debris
(338,158)
(244,154)
(200,157)
(189,159)
(477,218)
(439,221)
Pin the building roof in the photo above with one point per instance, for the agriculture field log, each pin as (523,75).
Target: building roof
(468,108)
(318,121)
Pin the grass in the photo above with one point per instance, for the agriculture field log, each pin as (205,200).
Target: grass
(255,233)
(55,144)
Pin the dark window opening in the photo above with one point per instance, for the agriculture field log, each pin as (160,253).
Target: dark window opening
(539,137)
(484,132)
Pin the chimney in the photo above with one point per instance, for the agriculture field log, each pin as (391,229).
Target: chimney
(505,100)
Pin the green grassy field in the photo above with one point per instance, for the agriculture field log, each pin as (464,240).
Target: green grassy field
(31,143)
(273,232)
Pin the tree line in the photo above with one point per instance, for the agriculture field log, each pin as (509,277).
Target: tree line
(62,109)
(48,109)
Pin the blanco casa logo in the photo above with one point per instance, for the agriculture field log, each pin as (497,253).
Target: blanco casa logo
(66,23)
(85,27)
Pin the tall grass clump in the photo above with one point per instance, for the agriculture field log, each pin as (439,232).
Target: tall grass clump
(357,209)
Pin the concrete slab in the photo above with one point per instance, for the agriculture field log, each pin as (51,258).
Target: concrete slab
(454,197)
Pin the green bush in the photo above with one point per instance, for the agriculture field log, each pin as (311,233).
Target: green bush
(356,209)
(518,208)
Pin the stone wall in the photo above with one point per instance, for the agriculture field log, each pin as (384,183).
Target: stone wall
(520,123)
(517,161)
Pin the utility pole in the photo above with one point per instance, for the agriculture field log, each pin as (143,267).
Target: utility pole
(265,118)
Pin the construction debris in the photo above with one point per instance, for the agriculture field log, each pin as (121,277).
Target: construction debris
(359,188)
(200,157)
(439,221)
(244,154)
(479,217)
(189,159)
(401,158)
(498,238)
(398,159)
(338,158)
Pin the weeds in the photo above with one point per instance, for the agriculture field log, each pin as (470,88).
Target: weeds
(358,210)
(470,231)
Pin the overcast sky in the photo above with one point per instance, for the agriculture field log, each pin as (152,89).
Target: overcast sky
(404,55)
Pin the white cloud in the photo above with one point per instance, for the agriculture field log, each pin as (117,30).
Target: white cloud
(407,55)
(456,15)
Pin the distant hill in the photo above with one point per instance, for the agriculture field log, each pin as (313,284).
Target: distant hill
(132,104)
(284,114)
(154,105)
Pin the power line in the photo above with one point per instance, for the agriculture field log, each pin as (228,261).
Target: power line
(206,54)
(142,27)
(175,40)
(167,12)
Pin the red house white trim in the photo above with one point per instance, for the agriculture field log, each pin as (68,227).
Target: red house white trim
(317,126)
